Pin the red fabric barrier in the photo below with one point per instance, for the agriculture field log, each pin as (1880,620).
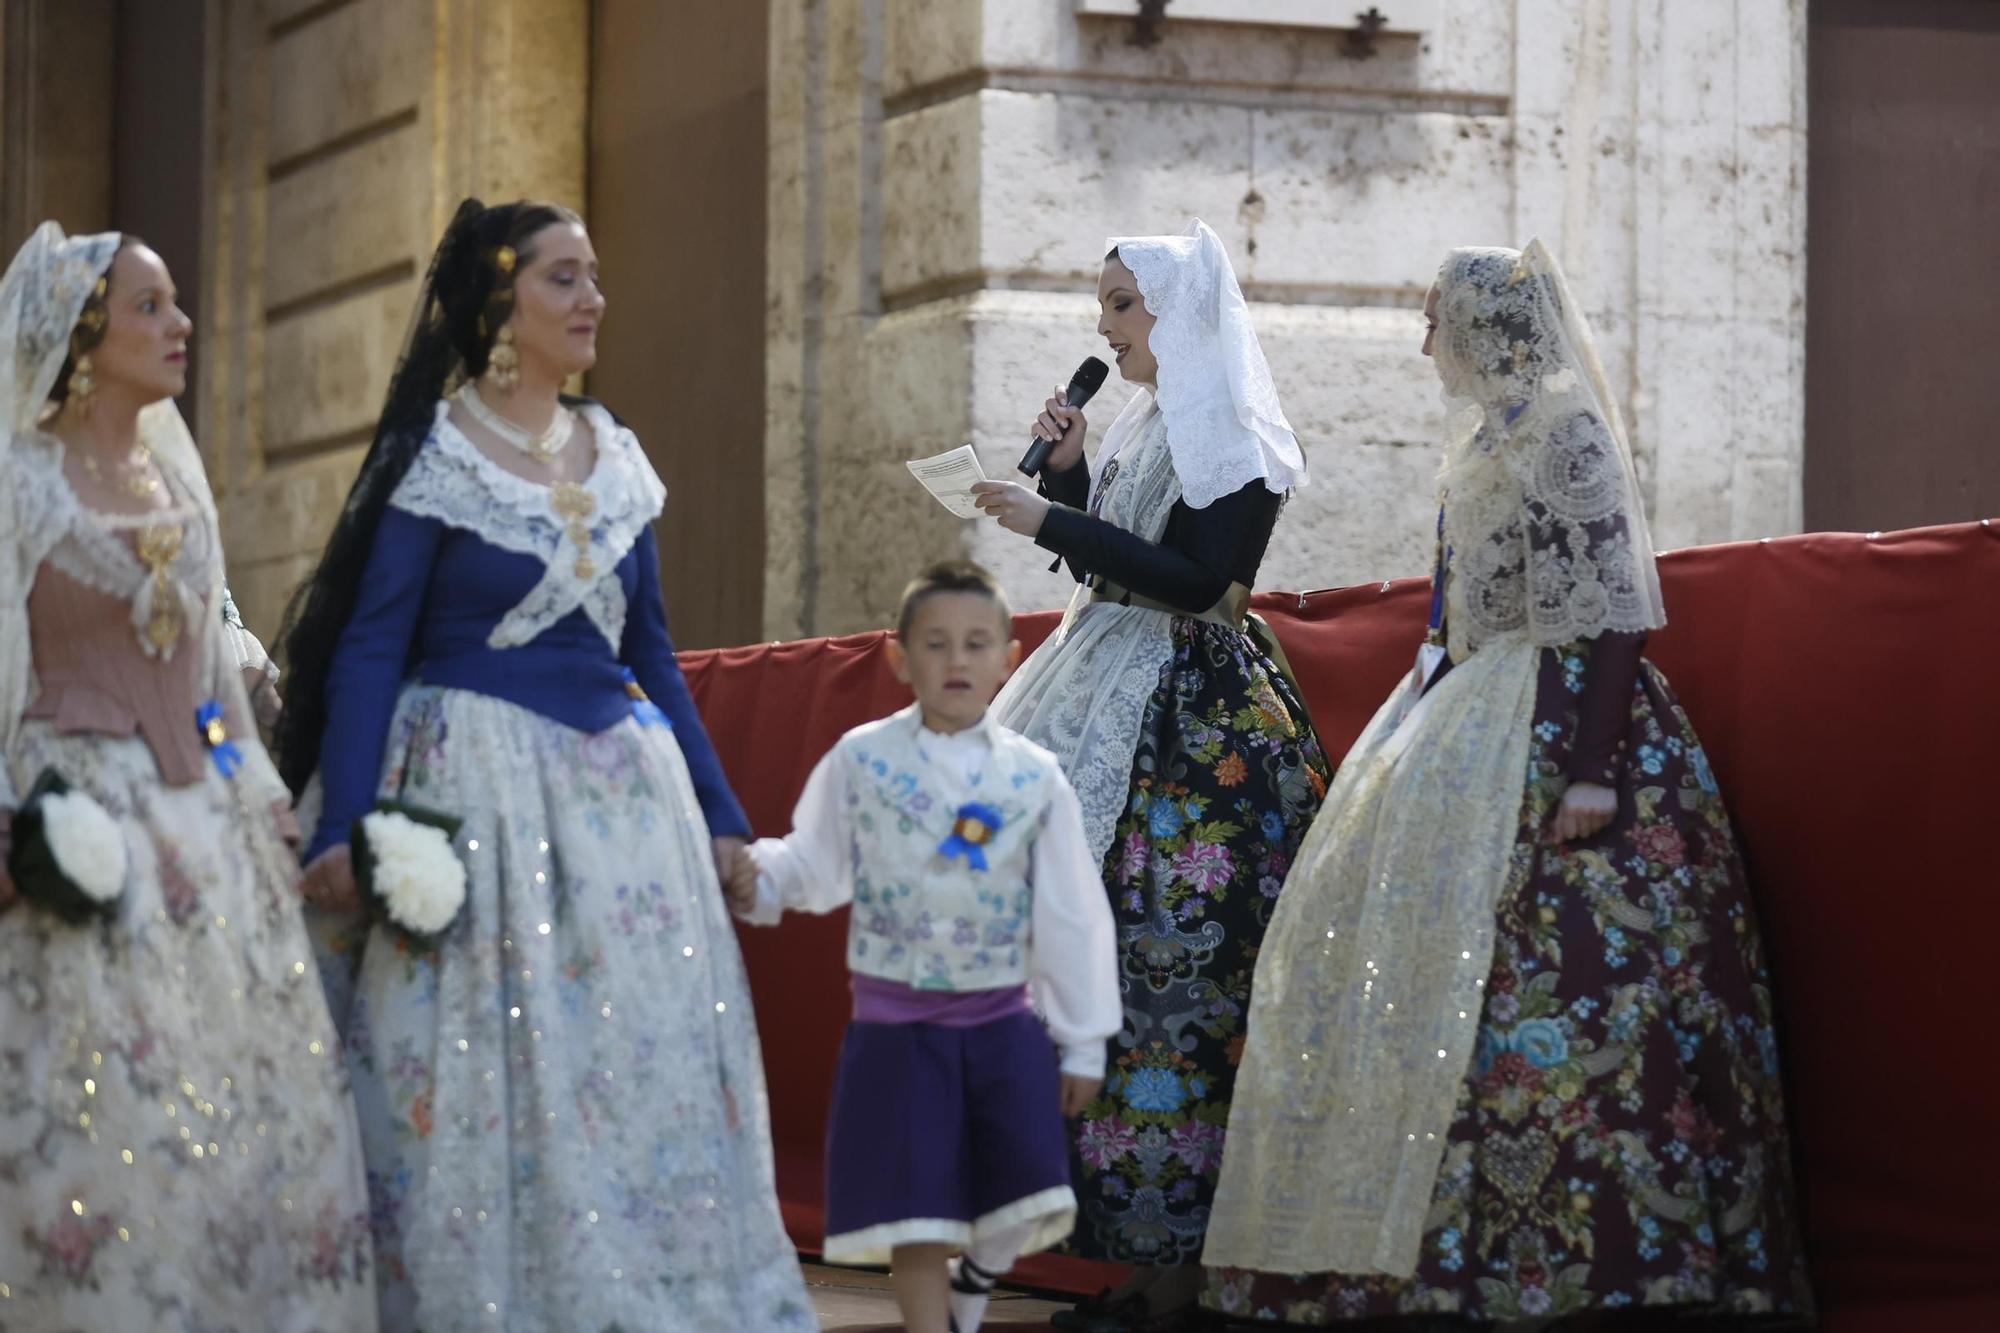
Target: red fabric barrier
(1846,690)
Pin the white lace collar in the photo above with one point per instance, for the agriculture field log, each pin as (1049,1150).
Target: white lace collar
(95,548)
(453,482)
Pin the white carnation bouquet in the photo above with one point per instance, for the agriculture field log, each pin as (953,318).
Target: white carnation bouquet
(67,852)
(403,858)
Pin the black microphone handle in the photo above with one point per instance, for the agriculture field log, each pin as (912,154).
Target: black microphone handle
(1039,448)
(1038,454)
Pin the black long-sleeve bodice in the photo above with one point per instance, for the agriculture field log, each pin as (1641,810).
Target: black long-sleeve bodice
(1200,554)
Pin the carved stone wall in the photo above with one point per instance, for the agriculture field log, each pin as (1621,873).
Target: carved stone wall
(944,173)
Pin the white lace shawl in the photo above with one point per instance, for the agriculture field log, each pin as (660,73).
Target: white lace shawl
(95,549)
(1543,516)
(453,482)
(1082,695)
(1224,423)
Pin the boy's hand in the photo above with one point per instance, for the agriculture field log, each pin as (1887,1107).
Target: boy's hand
(1077,1093)
(739,875)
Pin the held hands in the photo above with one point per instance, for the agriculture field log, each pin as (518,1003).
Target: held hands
(1586,808)
(329,881)
(264,700)
(736,867)
(1077,1093)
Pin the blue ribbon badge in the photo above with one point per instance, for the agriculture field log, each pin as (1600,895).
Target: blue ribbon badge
(644,709)
(208,721)
(976,825)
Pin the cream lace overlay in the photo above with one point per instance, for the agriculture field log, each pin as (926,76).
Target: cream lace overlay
(1083,693)
(1368,990)
(453,482)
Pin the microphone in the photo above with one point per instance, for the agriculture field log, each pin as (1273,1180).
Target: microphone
(1083,386)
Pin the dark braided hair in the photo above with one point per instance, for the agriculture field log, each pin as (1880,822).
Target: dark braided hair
(468,295)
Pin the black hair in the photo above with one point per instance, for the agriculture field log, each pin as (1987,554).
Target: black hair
(91,323)
(467,296)
(952,576)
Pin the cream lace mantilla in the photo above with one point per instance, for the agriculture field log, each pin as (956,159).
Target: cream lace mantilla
(1083,693)
(453,482)
(1543,516)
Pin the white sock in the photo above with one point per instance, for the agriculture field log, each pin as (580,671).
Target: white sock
(973,1274)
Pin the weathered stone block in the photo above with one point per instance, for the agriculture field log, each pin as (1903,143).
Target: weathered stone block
(932,200)
(929,42)
(1328,182)
(357,66)
(290,512)
(347,215)
(325,372)
(1059,174)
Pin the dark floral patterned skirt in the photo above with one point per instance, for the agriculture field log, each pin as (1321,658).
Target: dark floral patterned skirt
(1227,777)
(1621,1138)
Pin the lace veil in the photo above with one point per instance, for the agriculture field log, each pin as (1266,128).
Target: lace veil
(40,298)
(1543,514)
(1224,424)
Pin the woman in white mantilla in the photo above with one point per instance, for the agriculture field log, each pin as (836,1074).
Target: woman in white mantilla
(561,1094)
(1512,1055)
(177,1144)
(1189,749)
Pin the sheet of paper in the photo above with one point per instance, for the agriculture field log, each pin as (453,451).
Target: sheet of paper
(949,477)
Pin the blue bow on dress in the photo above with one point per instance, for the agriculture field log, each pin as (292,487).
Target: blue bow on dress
(975,827)
(208,721)
(648,712)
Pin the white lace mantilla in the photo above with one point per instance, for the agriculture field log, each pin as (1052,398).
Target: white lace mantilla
(1225,425)
(1083,693)
(453,482)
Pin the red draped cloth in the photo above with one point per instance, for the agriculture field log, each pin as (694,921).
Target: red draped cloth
(1848,691)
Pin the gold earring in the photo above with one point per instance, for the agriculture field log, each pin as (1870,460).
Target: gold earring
(82,384)
(503,363)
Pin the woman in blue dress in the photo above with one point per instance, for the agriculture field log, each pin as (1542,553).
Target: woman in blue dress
(561,1096)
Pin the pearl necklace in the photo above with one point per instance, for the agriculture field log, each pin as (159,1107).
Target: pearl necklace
(543,448)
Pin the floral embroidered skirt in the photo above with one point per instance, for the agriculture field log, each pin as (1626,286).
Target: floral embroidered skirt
(1620,1139)
(1227,778)
(178,1149)
(563,1104)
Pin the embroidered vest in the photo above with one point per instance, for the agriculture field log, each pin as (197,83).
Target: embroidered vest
(924,914)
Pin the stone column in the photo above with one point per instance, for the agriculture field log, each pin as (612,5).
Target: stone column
(345,136)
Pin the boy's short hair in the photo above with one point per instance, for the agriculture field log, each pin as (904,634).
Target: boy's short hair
(952,576)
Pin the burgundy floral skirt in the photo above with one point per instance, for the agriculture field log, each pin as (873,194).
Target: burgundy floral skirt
(1621,1138)
(1226,779)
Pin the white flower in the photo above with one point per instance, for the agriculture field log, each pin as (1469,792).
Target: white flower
(86,843)
(418,877)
